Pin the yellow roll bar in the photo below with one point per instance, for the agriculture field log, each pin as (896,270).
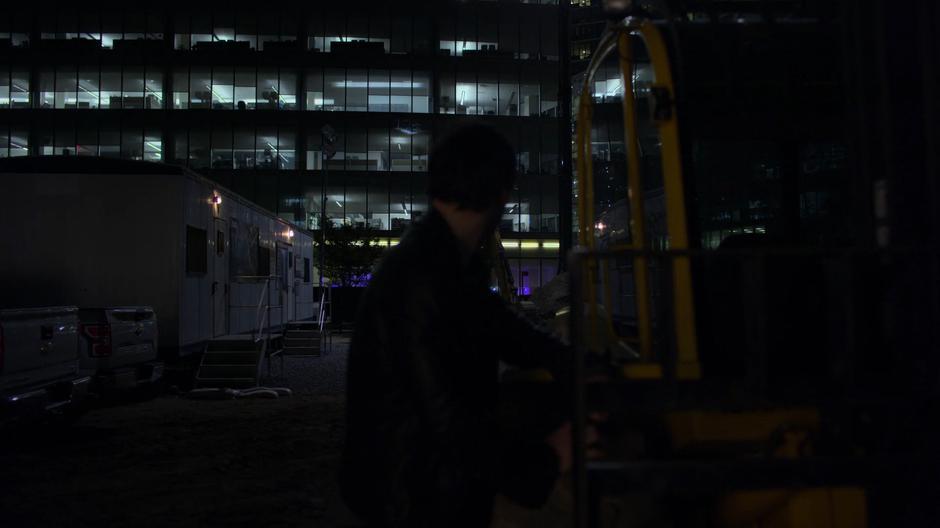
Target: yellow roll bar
(618,37)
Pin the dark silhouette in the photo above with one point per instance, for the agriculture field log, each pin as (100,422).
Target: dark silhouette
(424,446)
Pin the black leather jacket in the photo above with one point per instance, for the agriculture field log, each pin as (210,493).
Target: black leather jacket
(423,445)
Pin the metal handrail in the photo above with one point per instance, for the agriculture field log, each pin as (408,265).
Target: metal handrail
(263,310)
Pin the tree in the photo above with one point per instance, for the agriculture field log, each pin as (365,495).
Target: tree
(349,253)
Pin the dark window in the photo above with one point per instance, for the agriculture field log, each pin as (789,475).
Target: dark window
(306,269)
(196,261)
(264,261)
(219,243)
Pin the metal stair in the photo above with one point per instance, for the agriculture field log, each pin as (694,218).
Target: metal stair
(231,361)
(302,338)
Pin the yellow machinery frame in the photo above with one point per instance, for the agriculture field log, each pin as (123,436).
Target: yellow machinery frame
(837,507)
(665,116)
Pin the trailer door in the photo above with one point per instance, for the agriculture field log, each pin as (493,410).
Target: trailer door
(220,280)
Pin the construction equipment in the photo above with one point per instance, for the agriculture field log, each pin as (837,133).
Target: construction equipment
(738,406)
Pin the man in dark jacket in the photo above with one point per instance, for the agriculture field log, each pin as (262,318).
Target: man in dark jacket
(423,446)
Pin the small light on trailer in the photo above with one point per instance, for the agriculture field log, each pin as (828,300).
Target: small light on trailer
(290,233)
(600,226)
(216,199)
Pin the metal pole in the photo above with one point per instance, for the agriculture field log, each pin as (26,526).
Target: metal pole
(326,179)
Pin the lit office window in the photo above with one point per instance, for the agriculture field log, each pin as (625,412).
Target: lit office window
(245,89)
(447,90)
(153,89)
(200,88)
(199,151)
(109,143)
(246,30)
(132,143)
(153,145)
(378,206)
(19,142)
(356,150)
(420,147)
(287,95)
(487,94)
(64,141)
(313,87)
(244,148)
(421,92)
(110,96)
(89,84)
(19,89)
(47,89)
(400,150)
(66,87)
(86,141)
(181,88)
(286,149)
(4,93)
(223,88)
(400,86)
(267,89)
(334,89)
(549,95)
(529,95)
(399,201)
(133,89)
(201,30)
(378,91)
(181,37)
(221,151)
(378,155)
(110,29)
(467,94)
(356,84)
(354,201)
(508,93)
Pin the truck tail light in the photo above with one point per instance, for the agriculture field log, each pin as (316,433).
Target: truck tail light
(99,335)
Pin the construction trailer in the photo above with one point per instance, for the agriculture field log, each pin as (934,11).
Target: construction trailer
(103,232)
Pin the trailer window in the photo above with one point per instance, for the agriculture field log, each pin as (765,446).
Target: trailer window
(306,269)
(219,242)
(264,261)
(196,242)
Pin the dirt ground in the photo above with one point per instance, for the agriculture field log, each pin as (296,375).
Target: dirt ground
(174,461)
(178,462)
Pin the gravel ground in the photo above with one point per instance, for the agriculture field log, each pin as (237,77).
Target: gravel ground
(324,375)
(171,461)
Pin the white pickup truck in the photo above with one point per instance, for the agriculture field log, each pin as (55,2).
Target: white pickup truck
(39,370)
(118,347)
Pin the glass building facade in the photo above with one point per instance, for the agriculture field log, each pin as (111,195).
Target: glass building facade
(242,97)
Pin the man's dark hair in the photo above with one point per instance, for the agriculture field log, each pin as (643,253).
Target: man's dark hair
(472,167)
